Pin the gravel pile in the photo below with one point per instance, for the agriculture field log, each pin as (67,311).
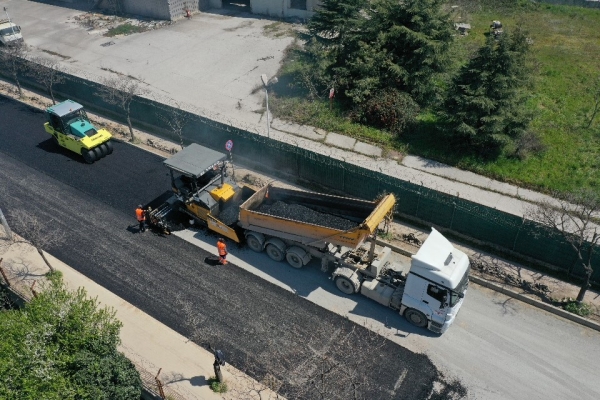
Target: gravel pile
(305,214)
(230,214)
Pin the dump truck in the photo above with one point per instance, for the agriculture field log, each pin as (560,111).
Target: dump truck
(296,225)
(71,128)
(203,191)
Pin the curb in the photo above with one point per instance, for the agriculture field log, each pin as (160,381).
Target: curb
(501,289)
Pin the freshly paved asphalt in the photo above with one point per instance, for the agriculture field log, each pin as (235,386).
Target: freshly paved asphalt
(261,327)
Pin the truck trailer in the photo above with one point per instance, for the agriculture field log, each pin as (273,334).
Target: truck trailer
(296,225)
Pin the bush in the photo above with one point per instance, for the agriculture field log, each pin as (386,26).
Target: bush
(216,386)
(391,110)
(581,309)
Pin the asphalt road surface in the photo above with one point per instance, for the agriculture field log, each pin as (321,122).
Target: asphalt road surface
(262,328)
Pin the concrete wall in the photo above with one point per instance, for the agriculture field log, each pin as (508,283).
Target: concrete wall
(281,8)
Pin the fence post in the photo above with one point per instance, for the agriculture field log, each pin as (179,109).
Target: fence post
(5,224)
(517,235)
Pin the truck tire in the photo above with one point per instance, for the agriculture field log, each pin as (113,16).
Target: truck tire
(345,285)
(415,317)
(255,241)
(88,155)
(109,147)
(103,149)
(275,252)
(296,257)
(98,152)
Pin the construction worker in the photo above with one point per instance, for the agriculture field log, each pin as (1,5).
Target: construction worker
(222,251)
(140,214)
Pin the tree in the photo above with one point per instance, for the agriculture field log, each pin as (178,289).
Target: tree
(47,72)
(383,44)
(485,105)
(11,58)
(595,92)
(574,217)
(39,234)
(63,346)
(120,91)
(176,119)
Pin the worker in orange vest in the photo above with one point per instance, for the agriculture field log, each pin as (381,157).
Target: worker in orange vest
(140,214)
(222,251)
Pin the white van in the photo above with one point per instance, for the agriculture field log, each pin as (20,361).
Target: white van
(10,33)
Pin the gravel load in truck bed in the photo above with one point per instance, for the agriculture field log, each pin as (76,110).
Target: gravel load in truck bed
(305,214)
(230,213)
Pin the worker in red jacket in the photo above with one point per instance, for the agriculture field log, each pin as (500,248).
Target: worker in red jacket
(140,214)
(222,251)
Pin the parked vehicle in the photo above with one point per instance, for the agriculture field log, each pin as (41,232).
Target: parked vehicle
(10,33)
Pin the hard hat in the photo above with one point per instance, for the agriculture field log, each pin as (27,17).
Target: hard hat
(140,206)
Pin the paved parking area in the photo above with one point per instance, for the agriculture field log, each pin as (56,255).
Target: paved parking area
(210,63)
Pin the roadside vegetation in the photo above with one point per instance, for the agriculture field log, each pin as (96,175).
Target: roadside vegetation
(62,345)
(542,132)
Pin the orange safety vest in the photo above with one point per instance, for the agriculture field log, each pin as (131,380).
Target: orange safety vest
(139,213)
(222,248)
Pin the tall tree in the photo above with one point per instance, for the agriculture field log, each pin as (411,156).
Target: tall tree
(486,103)
(383,44)
(574,217)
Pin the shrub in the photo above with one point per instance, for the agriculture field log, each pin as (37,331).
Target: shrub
(581,309)
(391,110)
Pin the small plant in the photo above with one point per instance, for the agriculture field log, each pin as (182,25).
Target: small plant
(124,29)
(216,386)
(54,275)
(575,307)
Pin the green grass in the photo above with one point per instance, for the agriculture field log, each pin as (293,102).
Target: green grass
(566,50)
(124,29)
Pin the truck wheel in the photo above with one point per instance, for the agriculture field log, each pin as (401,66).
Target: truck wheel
(417,318)
(254,243)
(109,147)
(89,156)
(103,149)
(275,253)
(98,152)
(294,259)
(345,285)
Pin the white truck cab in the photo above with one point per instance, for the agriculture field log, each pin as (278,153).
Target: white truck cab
(436,283)
(10,33)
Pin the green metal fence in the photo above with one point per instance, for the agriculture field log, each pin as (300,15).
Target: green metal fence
(462,216)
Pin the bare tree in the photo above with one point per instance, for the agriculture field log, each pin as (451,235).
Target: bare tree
(120,91)
(176,119)
(574,216)
(595,90)
(47,72)
(39,234)
(11,58)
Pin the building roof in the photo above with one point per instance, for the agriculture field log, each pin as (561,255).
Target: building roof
(194,160)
